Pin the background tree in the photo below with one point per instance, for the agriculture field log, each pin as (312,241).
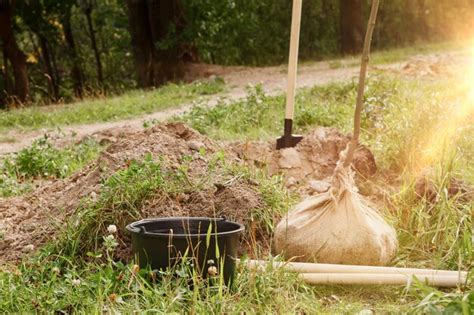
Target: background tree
(61,50)
(13,53)
(155,29)
(77,75)
(37,14)
(352,26)
(87,6)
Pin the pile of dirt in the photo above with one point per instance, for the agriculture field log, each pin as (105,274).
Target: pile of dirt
(28,222)
(308,167)
(426,189)
(428,66)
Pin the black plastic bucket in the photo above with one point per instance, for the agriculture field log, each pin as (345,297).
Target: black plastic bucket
(211,244)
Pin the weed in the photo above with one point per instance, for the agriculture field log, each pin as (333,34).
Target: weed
(61,285)
(43,161)
(150,123)
(10,186)
(260,116)
(434,301)
(119,202)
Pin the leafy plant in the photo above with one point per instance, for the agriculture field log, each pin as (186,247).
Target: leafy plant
(438,302)
(42,160)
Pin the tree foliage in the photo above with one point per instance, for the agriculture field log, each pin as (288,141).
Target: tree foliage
(59,50)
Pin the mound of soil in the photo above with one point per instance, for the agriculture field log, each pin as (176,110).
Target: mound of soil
(28,222)
(425,189)
(431,66)
(309,166)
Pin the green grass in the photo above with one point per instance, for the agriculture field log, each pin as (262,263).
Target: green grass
(413,127)
(394,55)
(106,286)
(78,272)
(126,193)
(410,125)
(43,161)
(259,116)
(403,53)
(131,104)
(392,127)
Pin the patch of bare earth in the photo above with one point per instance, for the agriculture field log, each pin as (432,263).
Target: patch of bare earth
(308,167)
(30,221)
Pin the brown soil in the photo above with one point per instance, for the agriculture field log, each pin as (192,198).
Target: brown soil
(309,166)
(430,66)
(426,189)
(30,221)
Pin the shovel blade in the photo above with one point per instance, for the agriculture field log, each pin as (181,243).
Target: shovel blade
(288,141)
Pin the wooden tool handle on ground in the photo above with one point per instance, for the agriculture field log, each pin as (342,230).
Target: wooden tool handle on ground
(302,267)
(293,58)
(378,279)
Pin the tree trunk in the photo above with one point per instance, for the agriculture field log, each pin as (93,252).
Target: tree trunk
(151,22)
(98,62)
(421,17)
(165,16)
(142,41)
(52,78)
(13,53)
(6,76)
(352,26)
(76,72)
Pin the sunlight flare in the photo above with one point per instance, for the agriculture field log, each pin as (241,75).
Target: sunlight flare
(457,116)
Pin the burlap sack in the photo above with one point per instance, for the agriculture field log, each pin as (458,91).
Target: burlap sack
(336,227)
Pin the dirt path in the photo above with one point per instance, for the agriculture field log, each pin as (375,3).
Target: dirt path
(273,80)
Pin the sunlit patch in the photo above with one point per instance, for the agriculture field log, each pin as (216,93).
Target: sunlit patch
(456,116)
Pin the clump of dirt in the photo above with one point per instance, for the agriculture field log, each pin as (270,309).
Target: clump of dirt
(233,201)
(425,189)
(309,166)
(431,66)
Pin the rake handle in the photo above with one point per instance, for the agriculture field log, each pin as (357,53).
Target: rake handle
(380,279)
(301,267)
(315,273)
(362,74)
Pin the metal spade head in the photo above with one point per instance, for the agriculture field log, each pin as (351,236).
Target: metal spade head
(288,140)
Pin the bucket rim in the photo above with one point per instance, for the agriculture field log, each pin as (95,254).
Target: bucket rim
(134,229)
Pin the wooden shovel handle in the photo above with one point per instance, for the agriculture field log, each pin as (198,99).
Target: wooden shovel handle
(379,279)
(293,58)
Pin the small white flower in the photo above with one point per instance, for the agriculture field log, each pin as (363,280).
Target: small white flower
(112,229)
(212,271)
(29,248)
(56,270)
(76,282)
